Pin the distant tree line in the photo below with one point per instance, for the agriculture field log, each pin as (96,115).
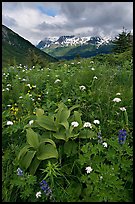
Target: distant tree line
(123,42)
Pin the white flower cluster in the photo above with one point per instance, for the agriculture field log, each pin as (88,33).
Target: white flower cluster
(96,122)
(88,169)
(118,94)
(95,77)
(31,122)
(87,124)
(92,69)
(9,123)
(75,124)
(116,100)
(82,88)
(123,109)
(57,80)
(104,144)
(38,194)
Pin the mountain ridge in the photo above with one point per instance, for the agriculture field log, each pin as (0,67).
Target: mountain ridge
(68,47)
(17,49)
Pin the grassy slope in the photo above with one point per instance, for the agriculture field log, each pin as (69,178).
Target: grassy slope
(18,49)
(71,52)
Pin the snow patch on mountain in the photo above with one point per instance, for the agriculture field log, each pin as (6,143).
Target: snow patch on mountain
(64,41)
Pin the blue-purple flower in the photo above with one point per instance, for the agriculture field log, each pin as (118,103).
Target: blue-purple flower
(19,172)
(122,136)
(99,137)
(44,186)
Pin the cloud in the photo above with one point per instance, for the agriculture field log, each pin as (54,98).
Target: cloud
(37,20)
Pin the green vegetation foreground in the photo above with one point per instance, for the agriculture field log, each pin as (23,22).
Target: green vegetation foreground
(67,131)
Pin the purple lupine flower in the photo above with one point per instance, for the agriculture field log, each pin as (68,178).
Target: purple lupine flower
(122,136)
(99,137)
(19,172)
(44,186)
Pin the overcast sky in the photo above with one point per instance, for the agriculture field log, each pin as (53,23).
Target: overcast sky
(36,20)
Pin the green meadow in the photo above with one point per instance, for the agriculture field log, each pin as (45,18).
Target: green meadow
(67,131)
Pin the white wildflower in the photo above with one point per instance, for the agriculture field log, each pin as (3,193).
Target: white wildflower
(82,88)
(7,89)
(87,124)
(88,169)
(57,80)
(38,194)
(28,85)
(9,123)
(104,144)
(117,100)
(96,121)
(92,69)
(9,105)
(91,62)
(24,80)
(118,94)
(31,122)
(8,84)
(95,77)
(20,96)
(123,109)
(101,177)
(34,86)
(74,124)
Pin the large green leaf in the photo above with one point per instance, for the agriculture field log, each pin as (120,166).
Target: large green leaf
(32,138)
(27,158)
(23,151)
(44,140)
(47,122)
(47,151)
(77,117)
(65,124)
(34,165)
(86,133)
(60,136)
(70,148)
(73,107)
(62,114)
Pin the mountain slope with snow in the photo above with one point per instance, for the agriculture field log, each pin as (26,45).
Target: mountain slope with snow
(68,47)
(71,40)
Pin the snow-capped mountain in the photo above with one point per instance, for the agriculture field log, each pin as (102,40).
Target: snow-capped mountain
(64,41)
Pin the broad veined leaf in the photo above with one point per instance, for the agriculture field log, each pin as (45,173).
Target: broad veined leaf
(70,148)
(86,133)
(47,140)
(47,151)
(47,122)
(27,158)
(34,165)
(65,124)
(60,136)
(73,107)
(62,114)
(77,117)
(32,138)
(39,112)
(23,151)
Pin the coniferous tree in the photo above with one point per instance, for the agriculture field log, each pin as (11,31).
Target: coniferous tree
(123,42)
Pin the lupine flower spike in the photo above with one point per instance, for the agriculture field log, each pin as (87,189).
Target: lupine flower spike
(122,136)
